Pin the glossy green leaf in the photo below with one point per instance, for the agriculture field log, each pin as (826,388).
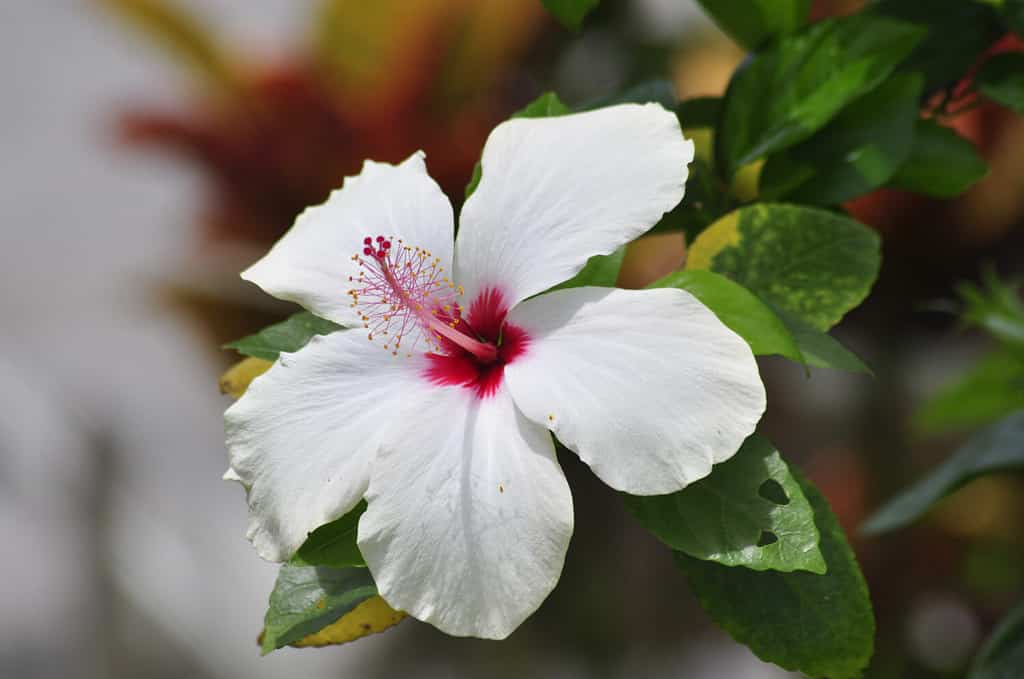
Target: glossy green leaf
(820,625)
(959,33)
(571,12)
(287,336)
(1002,656)
(308,598)
(857,152)
(795,87)
(999,447)
(813,264)
(600,270)
(990,390)
(941,164)
(1001,79)
(547,105)
(737,308)
(333,544)
(819,349)
(749,512)
(752,22)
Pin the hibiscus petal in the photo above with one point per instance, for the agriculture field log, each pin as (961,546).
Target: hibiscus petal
(311,264)
(556,191)
(648,387)
(303,436)
(469,516)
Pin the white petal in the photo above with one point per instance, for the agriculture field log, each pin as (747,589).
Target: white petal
(469,517)
(556,191)
(648,387)
(311,264)
(303,436)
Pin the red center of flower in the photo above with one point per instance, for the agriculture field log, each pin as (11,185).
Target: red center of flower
(403,298)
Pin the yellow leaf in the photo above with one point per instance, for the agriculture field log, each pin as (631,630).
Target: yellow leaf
(712,240)
(236,380)
(370,617)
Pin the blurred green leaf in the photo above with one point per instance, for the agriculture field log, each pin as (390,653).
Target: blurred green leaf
(737,308)
(820,625)
(999,447)
(570,12)
(1013,15)
(959,33)
(749,512)
(793,88)
(547,105)
(658,91)
(819,349)
(752,22)
(308,598)
(180,33)
(1002,656)
(989,391)
(996,307)
(857,152)
(813,264)
(699,112)
(941,164)
(289,335)
(1001,79)
(333,544)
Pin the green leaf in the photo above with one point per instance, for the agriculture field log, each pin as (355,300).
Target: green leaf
(333,544)
(737,308)
(752,22)
(705,201)
(989,391)
(308,598)
(600,270)
(1013,15)
(857,152)
(1002,656)
(821,625)
(699,112)
(547,105)
(749,512)
(958,33)
(287,336)
(1001,79)
(570,12)
(996,307)
(999,447)
(942,164)
(819,349)
(813,264)
(786,93)
(657,91)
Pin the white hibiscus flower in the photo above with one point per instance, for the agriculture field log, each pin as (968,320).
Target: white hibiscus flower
(445,433)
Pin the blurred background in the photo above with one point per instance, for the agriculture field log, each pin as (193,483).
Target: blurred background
(151,150)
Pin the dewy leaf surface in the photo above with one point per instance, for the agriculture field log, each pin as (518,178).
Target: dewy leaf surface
(728,517)
(821,625)
(999,447)
(794,87)
(288,336)
(813,264)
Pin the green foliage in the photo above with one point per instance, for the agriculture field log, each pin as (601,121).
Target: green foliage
(699,112)
(308,598)
(793,88)
(996,308)
(749,512)
(571,12)
(600,270)
(820,625)
(289,335)
(958,33)
(813,264)
(1013,15)
(819,349)
(1002,656)
(989,391)
(657,91)
(333,544)
(942,164)
(1001,79)
(860,150)
(999,447)
(752,22)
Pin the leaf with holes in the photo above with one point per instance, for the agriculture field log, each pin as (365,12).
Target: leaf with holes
(820,625)
(288,336)
(789,91)
(813,264)
(749,512)
(333,544)
(999,447)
